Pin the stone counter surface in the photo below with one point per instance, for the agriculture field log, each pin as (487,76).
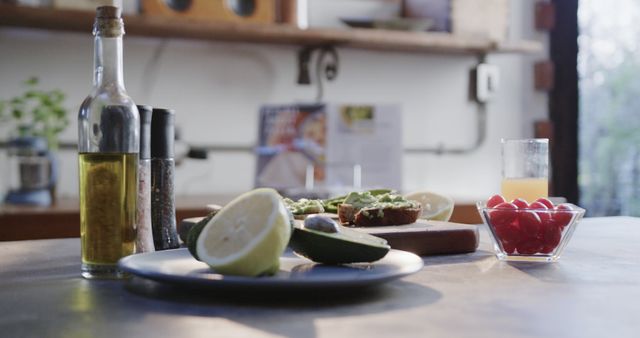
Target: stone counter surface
(593,291)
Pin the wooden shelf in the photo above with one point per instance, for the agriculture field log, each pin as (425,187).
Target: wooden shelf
(82,21)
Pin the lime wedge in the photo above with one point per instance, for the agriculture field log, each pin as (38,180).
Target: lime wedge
(248,236)
(435,207)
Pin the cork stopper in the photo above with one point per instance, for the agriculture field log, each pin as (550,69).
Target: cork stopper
(108,22)
(108,12)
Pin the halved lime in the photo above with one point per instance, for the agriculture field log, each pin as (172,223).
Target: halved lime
(248,236)
(194,233)
(434,206)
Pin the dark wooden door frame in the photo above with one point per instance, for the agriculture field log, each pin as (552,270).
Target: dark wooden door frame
(563,101)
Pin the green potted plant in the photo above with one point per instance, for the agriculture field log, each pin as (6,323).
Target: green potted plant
(34,121)
(36,113)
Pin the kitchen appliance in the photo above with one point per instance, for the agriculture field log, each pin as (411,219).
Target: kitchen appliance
(32,171)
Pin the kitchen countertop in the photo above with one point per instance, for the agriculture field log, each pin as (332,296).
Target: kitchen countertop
(62,220)
(592,291)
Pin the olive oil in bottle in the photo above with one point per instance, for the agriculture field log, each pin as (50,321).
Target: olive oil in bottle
(107,207)
(108,147)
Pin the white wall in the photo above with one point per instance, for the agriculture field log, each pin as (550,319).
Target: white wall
(216,89)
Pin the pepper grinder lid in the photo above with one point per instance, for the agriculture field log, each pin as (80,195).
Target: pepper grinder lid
(162,133)
(145,131)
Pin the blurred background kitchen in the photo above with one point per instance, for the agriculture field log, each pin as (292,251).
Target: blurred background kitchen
(486,70)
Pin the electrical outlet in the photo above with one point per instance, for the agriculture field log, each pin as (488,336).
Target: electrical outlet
(487,81)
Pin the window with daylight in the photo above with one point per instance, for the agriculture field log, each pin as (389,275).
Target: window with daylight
(609,99)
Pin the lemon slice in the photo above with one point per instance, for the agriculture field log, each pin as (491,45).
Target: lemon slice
(434,206)
(248,236)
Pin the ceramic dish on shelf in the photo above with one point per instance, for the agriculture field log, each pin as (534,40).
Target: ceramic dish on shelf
(398,24)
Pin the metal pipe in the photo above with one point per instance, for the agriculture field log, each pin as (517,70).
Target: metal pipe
(481,135)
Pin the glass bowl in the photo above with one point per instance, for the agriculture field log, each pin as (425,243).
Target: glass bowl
(530,235)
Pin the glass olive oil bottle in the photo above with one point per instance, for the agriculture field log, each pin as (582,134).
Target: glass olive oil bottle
(108,146)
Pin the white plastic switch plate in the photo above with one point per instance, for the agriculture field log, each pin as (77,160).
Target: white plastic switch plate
(487,81)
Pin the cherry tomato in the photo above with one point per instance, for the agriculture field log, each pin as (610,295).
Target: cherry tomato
(503,214)
(495,200)
(538,205)
(547,249)
(530,246)
(562,215)
(552,236)
(510,232)
(546,202)
(520,203)
(530,223)
(545,216)
(508,247)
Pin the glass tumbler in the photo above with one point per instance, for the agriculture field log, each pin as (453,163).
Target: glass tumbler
(525,169)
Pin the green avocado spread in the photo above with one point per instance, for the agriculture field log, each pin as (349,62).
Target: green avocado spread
(372,206)
(304,206)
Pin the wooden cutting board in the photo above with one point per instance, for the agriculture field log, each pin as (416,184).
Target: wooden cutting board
(424,238)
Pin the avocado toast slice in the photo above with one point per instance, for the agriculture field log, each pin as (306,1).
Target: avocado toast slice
(365,210)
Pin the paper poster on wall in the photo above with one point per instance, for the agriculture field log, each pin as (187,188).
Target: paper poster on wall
(291,138)
(369,136)
(336,146)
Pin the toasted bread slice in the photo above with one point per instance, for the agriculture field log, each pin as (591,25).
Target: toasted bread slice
(370,217)
(346,213)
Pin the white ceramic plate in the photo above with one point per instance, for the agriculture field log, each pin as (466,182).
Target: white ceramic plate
(296,273)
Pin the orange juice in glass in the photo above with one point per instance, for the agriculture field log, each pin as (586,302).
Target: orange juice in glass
(525,169)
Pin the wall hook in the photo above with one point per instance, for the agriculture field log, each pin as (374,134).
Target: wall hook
(326,67)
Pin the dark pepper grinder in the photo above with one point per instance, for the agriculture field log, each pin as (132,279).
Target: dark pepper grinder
(163,212)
